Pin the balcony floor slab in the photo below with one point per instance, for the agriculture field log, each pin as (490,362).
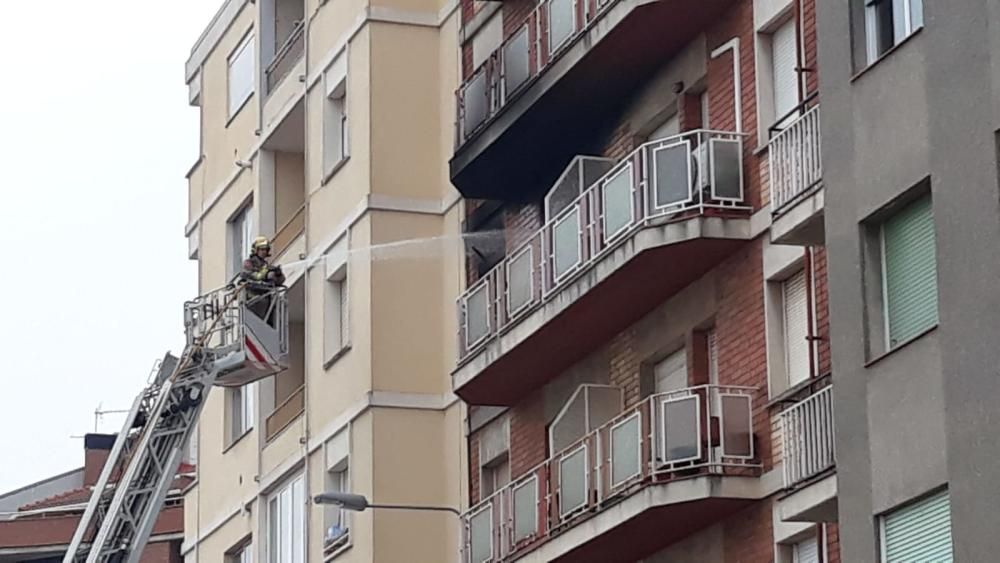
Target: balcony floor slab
(802,222)
(617,290)
(814,502)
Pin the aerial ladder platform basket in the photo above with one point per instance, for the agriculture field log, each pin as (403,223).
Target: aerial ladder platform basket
(234,336)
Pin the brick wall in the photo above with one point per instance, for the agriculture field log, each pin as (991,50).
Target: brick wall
(474,465)
(749,537)
(624,365)
(822,297)
(737,22)
(808,31)
(832,543)
(528,436)
(521,221)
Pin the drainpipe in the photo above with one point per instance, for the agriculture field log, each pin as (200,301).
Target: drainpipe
(800,49)
(811,336)
(734,46)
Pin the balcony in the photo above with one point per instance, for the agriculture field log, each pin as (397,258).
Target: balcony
(652,224)
(796,172)
(808,457)
(285,57)
(533,100)
(686,457)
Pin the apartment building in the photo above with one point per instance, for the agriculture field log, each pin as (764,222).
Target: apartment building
(325,126)
(646,350)
(37,521)
(911,110)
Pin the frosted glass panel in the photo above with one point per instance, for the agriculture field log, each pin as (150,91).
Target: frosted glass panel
(475,103)
(672,174)
(515,61)
(519,281)
(625,451)
(736,437)
(680,430)
(566,242)
(525,510)
(560,22)
(727,179)
(477,315)
(573,481)
(617,194)
(481,533)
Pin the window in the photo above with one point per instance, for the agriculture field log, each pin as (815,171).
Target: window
(487,39)
(336,322)
(495,476)
(242,554)
(494,456)
(670,127)
(671,373)
(242,410)
(795,328)
(240,74)
(286,523)
(335,141)
(337,525)
(806,551)
(785,78)
(909,272)
(889,22)
(918,532)
(241,234)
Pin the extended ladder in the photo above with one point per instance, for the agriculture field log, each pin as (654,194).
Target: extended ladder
(235,336)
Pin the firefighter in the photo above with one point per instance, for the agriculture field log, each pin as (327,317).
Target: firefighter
(261,278)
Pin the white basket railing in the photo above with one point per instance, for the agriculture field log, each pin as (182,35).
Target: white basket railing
(685,433)
(794,157)
(808,437)
(546,34)
(675,177)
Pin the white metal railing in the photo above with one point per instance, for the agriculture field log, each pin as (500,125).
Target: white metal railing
(676,177)
(807,437)
(684,433)
(794,159)
(546,34)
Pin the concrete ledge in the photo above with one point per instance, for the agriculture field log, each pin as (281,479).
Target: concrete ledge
(651,498)
(647,239)
(816,502)
(801,223)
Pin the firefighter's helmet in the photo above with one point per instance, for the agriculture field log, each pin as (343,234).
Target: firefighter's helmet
(261,242)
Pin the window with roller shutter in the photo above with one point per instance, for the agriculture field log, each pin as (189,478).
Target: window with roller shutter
(671,373)
(783,64)
(909,272)
(796,328)
(806,551)
(918,532)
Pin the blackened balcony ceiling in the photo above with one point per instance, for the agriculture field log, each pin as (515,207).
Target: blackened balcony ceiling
(574,103)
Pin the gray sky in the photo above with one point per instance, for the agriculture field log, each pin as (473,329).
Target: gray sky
(96,138)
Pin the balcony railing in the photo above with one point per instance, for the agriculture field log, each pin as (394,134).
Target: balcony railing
(546,34)
(807,437)
(794,156)
(290,231)
(285,413)
(686,433)
(286,57)
(673,178)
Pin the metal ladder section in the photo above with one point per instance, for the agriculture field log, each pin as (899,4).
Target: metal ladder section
(149,449)
(221,327)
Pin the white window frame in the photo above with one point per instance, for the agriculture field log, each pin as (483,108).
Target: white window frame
(488,473)
(336,127)
(902,25)
(341,471)
(277,551)
(241,554)
(337,314)
(242,411)
(774,72)
(241,229)
(237,100)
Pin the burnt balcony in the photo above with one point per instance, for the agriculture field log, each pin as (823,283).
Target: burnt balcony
(687,457)
(653,223)
(560,79)
(808,456)
(796,172)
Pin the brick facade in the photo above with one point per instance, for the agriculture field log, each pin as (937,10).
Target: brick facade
(738,320)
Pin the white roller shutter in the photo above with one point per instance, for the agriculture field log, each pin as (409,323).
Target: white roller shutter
(671,373)
(783,63)
(919,532)
(796,323)
(669,128)
(806,551)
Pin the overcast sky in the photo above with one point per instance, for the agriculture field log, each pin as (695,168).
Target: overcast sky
(95,138)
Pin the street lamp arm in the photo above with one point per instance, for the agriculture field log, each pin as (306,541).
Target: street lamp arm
(425,508)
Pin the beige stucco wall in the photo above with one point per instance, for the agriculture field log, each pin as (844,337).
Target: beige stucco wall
(390,389)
